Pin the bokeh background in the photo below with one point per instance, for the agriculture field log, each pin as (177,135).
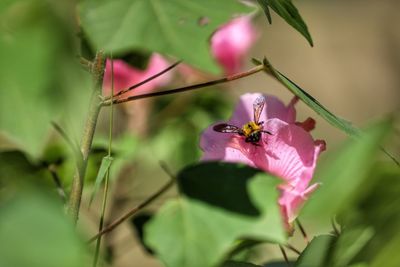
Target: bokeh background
(353,69)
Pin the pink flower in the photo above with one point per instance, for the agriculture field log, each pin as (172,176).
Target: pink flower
(231,42)
(126,76)
(289,152)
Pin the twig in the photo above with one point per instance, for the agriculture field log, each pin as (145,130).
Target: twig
(295,250)
(285,255)
(87,137)
(144,81)
(86,64)
(302,230)
(133,211)
(190,87)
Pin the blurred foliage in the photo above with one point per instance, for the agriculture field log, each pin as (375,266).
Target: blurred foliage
(40,78)
(35,232)
(221,205)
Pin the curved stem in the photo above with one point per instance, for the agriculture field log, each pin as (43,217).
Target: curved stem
(188,88)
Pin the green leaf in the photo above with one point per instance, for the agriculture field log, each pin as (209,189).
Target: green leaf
(378,208)
(33,92)
(310,101)
(286,10)
(389,255)
(345,173)
(349,244)
(170,27)
(35,232)
(238,264)
(203,229)
(277,264)
(105,165)
(138,222)
(315,254)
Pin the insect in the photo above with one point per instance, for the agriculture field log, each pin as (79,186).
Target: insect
(252,130)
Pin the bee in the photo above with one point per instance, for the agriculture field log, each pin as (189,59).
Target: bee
(252,130)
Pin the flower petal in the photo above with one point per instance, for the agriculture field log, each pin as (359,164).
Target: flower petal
(216,146)
(126,76)
(231,42)
(292,200)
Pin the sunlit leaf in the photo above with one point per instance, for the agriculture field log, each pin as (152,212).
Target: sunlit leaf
(203,228)
(170,27)
(286,10)
(105,165)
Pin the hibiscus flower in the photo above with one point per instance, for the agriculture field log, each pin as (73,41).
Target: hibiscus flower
(288,151)
(231,42)
(126,75)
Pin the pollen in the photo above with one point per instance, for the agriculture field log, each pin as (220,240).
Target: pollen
(250,127)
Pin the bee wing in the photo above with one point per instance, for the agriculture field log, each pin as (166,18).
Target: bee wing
(258,107)
(227,128)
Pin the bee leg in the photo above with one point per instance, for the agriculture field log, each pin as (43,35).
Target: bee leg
(267,132)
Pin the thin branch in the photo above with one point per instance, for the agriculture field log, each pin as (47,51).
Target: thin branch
(295,250)
(188,88)
(86,64)
(144,81)
(302,230)
(133,211)
(285,255)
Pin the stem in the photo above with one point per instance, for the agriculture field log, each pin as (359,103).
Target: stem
(295,250)
(87,137)
(144,81)
(285,255)
(106,182)
(133,211)
(302,230)
(188,88)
